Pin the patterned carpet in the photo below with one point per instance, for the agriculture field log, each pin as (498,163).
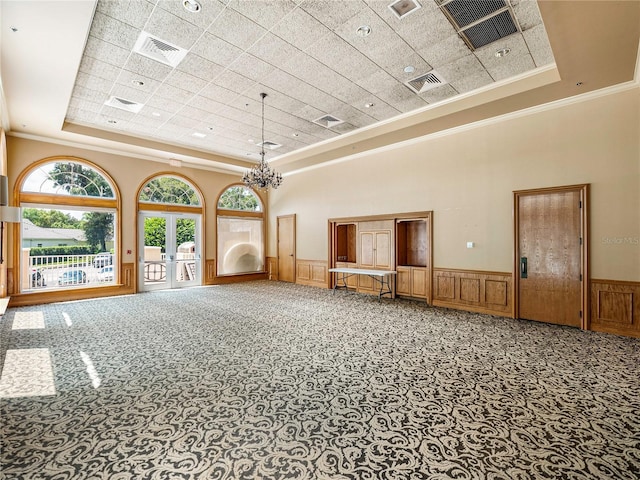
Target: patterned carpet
(265,380)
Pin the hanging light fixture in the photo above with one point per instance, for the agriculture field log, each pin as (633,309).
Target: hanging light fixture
(262,176)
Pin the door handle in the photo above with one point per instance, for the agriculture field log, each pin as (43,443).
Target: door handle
(523,267)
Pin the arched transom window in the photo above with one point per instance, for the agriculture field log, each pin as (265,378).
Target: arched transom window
(169,190)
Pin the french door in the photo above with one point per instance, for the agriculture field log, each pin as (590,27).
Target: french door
(168,250)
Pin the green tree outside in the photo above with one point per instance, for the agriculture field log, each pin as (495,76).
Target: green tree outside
(51,218)
(239,198)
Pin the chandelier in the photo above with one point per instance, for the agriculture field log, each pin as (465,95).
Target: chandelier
(262,176)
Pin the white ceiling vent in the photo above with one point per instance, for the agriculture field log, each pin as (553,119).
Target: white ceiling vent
(328,121)
(426,82)
(123,104)
(402,8)
(269,145)
(160,50)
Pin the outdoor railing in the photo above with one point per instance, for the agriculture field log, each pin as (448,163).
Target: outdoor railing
(68,270)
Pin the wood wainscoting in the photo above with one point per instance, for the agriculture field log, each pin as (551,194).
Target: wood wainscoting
(272,268)
(615,307)
(475,291)
(126,287)
(312,272)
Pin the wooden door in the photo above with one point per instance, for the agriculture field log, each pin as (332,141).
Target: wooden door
(550,256)
(419,282)
(287,248)
(403,281)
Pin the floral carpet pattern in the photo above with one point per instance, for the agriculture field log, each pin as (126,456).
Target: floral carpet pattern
(267,380)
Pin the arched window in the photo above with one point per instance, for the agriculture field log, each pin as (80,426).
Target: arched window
(240,231)
(169,190)
(68,233)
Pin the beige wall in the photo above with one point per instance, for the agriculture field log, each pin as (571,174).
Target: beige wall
(128,175)
(467,179)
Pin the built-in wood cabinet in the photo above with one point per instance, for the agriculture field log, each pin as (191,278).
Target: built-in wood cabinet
(412,254)
(400,242)
(412,282)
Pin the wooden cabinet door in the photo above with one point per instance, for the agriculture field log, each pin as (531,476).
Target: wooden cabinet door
(367,249)
(403,281)
(382,250)
(418,282)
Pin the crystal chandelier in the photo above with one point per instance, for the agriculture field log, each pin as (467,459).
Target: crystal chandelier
(262,176)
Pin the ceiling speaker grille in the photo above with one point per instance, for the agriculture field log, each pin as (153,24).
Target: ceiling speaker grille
(123,104)
(159,50)
(328,121)
(480,22)
(465,12)
(490,30)
(426,82)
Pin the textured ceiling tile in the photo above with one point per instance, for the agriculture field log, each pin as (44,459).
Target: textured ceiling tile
(206,104)
(100,69)
(160,104)
(81,104)
(92,82)
(460,68)
(401,98)
(216,50)
(90,95)
(353,116)
(147,67)
(195,113)
(185,81)
(236,29)
(438,94)
(235,82)
(182,121)
(106,52)
(341,56)
(199,67)
(218,94)
(172,29)
(132,12)
(527,13)
(332,13)
(517,61)
(114,31)
(131,79)
(251,67)
(129,93)
(472,82)
(173,93)
(380,110)
(300,29)
(536,39)
(343,128)
(207,14)
(273,50)
(379,81)
(265,12)
(446,51)
(116,113)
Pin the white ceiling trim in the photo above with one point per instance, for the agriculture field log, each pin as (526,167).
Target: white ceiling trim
(604,92)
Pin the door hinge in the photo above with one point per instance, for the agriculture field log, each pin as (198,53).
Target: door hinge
(580,204)
(580,313)
(580,240)
(580,277)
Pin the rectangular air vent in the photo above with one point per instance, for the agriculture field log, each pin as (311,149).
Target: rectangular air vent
(328,121)
(402,8)
(122,104)
(426,82)
(269,145)
(159,50)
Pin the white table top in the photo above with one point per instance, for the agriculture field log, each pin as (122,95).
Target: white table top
(363,271)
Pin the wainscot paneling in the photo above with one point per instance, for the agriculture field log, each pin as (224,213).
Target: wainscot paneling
(210,272)
(272,268)
(476,291)
(126,286)
(615,307)
(312,272)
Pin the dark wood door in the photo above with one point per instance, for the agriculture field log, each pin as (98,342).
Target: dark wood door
(549,254)
(286,248)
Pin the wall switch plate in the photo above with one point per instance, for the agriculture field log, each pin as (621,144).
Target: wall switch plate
(470,245)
